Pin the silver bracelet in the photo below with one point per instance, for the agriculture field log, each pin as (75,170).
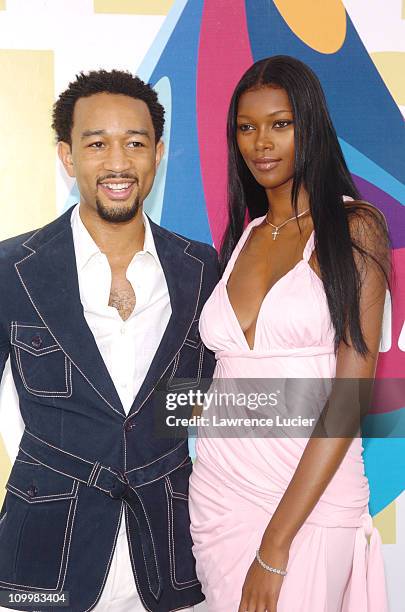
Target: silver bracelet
(268,567)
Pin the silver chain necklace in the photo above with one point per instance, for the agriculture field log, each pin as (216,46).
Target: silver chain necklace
(276,232)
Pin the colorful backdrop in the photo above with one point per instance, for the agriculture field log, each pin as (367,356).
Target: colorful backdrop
(194,51)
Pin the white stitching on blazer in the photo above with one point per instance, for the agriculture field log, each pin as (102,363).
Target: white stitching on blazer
(39,314)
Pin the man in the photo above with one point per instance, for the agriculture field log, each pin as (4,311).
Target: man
(97,308)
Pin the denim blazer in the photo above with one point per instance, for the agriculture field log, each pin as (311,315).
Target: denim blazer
(82,461)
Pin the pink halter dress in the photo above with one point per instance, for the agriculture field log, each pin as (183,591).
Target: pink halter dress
(335,561)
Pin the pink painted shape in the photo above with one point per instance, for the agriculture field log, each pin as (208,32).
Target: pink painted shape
(389,395)
(392,363)
(224,55)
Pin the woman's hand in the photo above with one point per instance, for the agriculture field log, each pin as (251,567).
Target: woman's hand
(261,588)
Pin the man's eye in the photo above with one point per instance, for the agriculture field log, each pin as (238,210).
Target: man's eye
(134,144)
(96,145)
(245,127)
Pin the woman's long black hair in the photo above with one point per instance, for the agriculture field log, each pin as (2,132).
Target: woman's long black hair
(321,169)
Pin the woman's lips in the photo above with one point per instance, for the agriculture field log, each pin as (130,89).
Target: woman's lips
(117,191)
(265,163)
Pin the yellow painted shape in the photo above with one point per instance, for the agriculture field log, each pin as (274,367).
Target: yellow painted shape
(320,24)
(391,66)
(133,7)
(5,467)
(403,9)
(386,523)
(2,5)
(27,152)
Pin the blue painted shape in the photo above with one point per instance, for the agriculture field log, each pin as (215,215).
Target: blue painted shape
(394,212)
(74,198)
(153,204)
(362,109)
(385,425)
(184,209)
(364,167)
(191,447)
(384,460)
(155,51)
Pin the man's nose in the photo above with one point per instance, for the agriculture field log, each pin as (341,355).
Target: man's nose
(117,159)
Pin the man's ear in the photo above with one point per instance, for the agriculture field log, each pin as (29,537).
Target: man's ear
(65,156)
(160,149)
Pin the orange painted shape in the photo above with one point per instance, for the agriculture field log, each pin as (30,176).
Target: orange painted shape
(5,467)
(386,523)
(391,66)
(133,7)
(27,152)
(320,24)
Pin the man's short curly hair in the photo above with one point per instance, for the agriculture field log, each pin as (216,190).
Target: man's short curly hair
(103,81)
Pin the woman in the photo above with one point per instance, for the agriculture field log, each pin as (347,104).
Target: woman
(283,524)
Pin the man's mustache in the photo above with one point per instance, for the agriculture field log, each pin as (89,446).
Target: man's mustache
(120,175)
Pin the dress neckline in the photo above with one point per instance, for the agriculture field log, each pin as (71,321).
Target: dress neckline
(307,252)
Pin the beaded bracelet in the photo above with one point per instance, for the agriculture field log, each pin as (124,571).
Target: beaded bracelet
(268,567)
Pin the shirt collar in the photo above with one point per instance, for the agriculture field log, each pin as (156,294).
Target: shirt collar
(149,242)
(86,248)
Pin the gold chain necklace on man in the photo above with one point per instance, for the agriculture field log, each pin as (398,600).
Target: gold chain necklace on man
(276,232)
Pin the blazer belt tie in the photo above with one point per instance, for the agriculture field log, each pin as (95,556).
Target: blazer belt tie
(115,483)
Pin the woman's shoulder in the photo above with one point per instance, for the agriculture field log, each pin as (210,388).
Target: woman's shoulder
(240,243)
(253,223)
(363,209)
(247,230)
(369,233)
(367,223)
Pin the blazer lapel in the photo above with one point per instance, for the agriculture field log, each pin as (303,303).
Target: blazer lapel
(183,274)
(49,276)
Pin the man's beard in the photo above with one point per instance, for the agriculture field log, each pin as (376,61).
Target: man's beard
(118,214)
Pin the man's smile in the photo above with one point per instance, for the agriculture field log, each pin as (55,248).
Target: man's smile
(117,189)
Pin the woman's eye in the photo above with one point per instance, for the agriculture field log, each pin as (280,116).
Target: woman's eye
(245,127)
(282,123)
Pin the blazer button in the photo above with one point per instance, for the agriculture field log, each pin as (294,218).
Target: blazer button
(128,426)
(36,342)
(32,491)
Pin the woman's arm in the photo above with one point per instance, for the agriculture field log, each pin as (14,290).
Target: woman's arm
(322,456)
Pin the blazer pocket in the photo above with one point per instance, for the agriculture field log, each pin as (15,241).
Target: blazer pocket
(44,369)
(188,362)
(193,337)
(182,562)
(37,529)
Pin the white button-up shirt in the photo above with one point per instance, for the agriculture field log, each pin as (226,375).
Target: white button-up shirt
(127,348)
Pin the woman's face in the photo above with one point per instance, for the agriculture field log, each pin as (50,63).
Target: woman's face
(265,135)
